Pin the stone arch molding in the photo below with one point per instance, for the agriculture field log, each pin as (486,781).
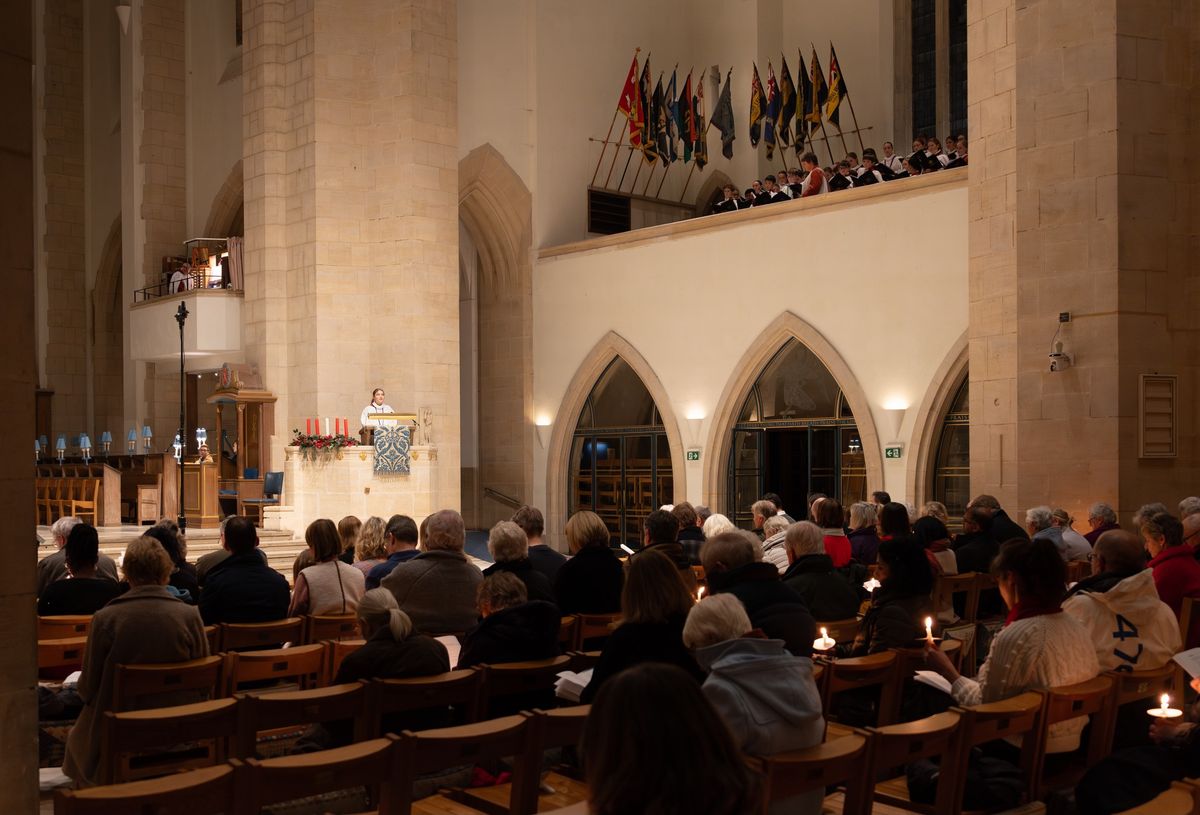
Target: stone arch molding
(610,346)
(784,327)
(497,209)
(715,181)
(226,203)
(928,425)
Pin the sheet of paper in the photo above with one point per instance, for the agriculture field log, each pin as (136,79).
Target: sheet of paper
(1190,661)
(452,646)
(933,680)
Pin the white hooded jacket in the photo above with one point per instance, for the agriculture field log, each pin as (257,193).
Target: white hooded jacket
(1130,627)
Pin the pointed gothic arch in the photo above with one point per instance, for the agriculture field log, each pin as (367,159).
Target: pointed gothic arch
(927,429)
(226,216)
(716,181)
(786,326)
(611,346)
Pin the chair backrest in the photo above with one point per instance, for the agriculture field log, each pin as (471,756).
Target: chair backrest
(61,653)
(212,633)
(64,626)
(211,789)
(1132,686)
(841,760)
(460,689)
(595,627)
(946,586)
(1187,619)
(1017,716)
(304,665)
(583,660)
(250,473)
(560,727)
(510,679)
(370,764)
(241,636)
(428,751)
(1094,699)
(1077,570)
(134,685)
(900,744)
(911,660)
(338,651)
(568,629)
(863,672)
(272,484)
(320,627)
(268,711)
(137,743)
(1181,798)
(841,631)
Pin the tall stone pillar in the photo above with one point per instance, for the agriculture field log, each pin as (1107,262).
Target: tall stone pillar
(350,118)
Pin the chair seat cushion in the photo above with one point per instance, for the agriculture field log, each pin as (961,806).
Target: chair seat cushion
(262,501)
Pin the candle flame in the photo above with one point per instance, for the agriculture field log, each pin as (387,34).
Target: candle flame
(1166,701)
(824,633)
(929,622)
(699,594)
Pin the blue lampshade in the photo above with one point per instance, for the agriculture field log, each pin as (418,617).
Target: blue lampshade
(44,441)
(61,444)
(106,437)
(201,435)
(146,432)
(84,441)
(37,446)
(132,434)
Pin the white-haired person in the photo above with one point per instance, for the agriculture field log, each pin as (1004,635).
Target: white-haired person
(715,524)
(437,587)
(826,591)
(1101,518)
(1039,523)
(774,550)
(509,546)
(765,695)
(54,567)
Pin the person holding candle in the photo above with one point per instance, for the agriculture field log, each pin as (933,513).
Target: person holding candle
(895,618)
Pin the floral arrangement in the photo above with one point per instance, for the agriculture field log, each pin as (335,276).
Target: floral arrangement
(318,441)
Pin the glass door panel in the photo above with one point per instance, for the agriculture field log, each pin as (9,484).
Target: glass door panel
(606,453)
(823,460)
(746,476)
(639,486)
(853,468)
(582,477)
(664,481)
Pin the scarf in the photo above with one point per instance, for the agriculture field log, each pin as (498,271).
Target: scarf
(1023,611)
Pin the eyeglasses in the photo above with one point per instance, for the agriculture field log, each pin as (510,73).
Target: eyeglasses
(1189,537)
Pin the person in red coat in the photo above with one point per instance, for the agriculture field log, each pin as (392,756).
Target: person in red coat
(1176,570)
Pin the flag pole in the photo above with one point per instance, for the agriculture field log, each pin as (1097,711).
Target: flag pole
(841,136)
(633,185)
(688,180)
(825,135)
(608,136)
(616,155)
(663,180)
(653,169)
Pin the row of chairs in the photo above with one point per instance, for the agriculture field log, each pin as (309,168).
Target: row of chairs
(386,767)
(230,636)
(58,497)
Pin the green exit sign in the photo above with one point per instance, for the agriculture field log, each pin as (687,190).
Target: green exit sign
(893,451)
(693,455)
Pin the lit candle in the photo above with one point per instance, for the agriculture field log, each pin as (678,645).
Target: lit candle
(699,594)
(1165,711)
(872,584)
(929,630)
(824,642)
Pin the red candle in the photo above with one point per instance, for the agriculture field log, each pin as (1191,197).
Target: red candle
(308,427)
(337,426)
(346,426)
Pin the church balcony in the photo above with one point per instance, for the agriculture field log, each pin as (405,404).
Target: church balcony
(212,333)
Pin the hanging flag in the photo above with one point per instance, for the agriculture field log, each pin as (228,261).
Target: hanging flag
(661,133)
(722,118)
(630,105)
(804,103)
(819,93)
(672,120)
(685,118)
(645,97)
(758,106)
(700,152)
(772,112)
(837,88)
(787,105)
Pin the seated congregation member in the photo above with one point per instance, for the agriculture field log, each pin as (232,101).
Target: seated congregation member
(1039,523)
(890,159)
(765,696)
(715,524)
(691,536)
(591,581)
(935,509)
(974,547)
(881,498)
(869,173)
(825,591)
(1147,511)
(1130,627)
(653,743)
(778,502)
(1039,646)
(54,567)
(1176,571)
(891,521)
(85,592)
(206,563)
(831,519)
(437,587)
(760,511)
(1072,540)
(400,544)
(370,547)
(731,565)
(654,606)
(896,616)
(147,624)
(815,182)
(774,550)
(1004,528)
(772,195)
(329,586)
(544,559)
(660,532)
(934,538)
(183,582)
(512,628)
(1101,519)
(510,548)
(347,530)
(842,179)
(243,588)
(864,542)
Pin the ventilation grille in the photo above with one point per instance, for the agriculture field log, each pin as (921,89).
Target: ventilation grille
(608,213)
(1158,428)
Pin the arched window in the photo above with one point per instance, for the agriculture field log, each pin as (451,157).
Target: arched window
(952,461)
(620,459)
(795,435)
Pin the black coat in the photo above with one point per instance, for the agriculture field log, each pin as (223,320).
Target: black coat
(864,545)
(517,634)
(244,589)
(974,551)
(537,586)
(546,560)
(777,609)
(79,595)
(634,643)
(381,657)
(840,182)
(691,539)
(1004,528)
(590,582)
(892,621)
(828,595)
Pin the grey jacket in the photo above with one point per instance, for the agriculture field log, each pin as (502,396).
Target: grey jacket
(437,590)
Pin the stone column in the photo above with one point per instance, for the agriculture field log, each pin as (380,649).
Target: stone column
(351,210)
(18,379)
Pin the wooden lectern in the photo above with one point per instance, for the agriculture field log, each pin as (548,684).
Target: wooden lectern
(200,494)
(366,434)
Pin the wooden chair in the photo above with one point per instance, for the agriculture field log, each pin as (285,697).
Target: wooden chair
(138,743)
(338,650)
(1017,716)
(840,761)
(1077,570)
(272,492)
(1094,699)
(595,627)
(428,751)
(64,626)
(1134,686)
(287,709)
(213,634)
(84,499)
(948,586)
(875,670)
(245,636)
(211,789)
(370,764)
(841,631)
(304,665)
(321,627)
(1181,798)
(135,685)
(61,654)
(461,690)
(899,744)
(582,660)
(1187,618)
(516,680)
(568,629)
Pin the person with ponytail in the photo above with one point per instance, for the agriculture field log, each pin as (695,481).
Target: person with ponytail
(392,650)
